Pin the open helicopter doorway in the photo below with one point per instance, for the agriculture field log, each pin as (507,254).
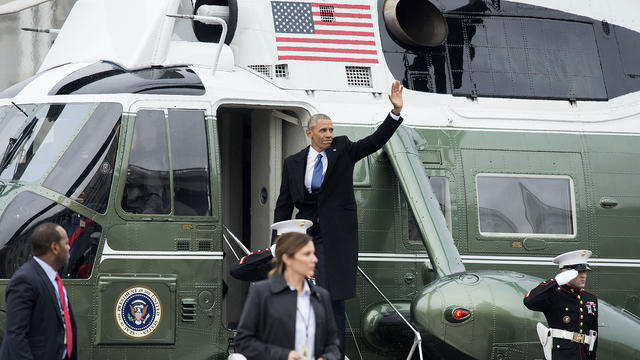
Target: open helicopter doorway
(253,143)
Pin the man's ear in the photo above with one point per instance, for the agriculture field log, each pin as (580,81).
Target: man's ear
(308,132)
(54,247)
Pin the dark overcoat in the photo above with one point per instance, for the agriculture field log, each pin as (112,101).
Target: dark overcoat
(34,325)
(267,326)
(336,204)
(566,308)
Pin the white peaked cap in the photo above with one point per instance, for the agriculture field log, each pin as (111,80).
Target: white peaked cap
(296,225)
(576,257)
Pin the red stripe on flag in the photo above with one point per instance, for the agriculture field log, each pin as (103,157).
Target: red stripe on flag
(343,6)
(320,58)
(330,50)
(345,15)
(341,32)
(326,41)
(343,23)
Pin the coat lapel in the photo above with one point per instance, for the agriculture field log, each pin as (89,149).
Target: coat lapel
(300,167)
(49,288)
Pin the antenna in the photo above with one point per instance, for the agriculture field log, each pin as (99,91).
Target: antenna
(209,20)
(46,31)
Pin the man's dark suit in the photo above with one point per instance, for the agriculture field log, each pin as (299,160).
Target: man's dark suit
(336,205)
(35,326)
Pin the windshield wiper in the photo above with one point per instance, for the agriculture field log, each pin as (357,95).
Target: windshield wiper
(19,108)
(13,144)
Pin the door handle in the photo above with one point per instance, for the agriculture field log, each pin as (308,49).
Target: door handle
(608,203)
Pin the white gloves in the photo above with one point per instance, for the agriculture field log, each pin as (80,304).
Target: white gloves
(273,250)
(566,276)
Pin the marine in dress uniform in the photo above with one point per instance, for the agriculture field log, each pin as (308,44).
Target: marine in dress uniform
(571,312)
(256,266)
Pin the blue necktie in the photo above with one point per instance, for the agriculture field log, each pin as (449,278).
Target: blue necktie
(316,177)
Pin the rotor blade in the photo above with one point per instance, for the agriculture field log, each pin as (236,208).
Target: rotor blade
(19,5)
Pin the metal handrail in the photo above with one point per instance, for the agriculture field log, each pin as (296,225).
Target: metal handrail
(235,238)
(417,340)
(209,20)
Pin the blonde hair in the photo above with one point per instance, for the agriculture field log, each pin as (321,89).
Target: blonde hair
(288,243)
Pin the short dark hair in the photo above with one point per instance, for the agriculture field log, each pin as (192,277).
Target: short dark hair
(313,120)
(43,236)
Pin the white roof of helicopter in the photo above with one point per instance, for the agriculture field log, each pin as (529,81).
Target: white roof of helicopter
(138,34)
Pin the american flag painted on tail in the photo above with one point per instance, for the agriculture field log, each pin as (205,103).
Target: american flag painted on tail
(338,32)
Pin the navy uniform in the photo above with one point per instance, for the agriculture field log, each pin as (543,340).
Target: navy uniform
(256,265)
(571,313)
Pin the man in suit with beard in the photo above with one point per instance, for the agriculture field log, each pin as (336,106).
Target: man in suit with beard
(318,181)
(39,322)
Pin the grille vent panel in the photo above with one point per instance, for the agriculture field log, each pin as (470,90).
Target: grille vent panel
(282,71)
(183,245)
(264,70)
(204,245)
(358,76)
(189,310)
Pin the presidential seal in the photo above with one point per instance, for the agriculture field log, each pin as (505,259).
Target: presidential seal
(138,312)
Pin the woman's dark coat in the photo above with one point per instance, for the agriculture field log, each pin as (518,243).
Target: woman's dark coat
(268,322)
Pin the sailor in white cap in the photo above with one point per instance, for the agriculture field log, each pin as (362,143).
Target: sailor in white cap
(256,266)
(571,312)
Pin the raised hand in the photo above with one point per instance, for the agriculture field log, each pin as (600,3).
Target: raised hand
(396,96)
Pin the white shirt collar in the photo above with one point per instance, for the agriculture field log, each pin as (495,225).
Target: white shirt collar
(305,291)
(51,273)
(313,154)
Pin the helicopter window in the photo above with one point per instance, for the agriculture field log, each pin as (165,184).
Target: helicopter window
(85,171)
(109,78)
(525,204)
(27,211)
(147,185)
(42,139)
(191,189)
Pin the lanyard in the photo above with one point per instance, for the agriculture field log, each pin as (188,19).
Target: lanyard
(307,323)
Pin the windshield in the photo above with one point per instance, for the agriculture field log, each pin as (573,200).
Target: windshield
(39,143)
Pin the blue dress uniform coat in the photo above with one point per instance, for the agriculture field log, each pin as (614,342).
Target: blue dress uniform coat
(35,326)
(570,309)
(268,323)
(335,205)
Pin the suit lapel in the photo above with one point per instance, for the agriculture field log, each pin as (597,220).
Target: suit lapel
(48,288)
(299,171)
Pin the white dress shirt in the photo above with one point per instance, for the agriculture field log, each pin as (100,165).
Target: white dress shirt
(51,274)
(311,162)
(305,323)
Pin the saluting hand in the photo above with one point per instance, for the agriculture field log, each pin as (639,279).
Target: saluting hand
(396,97)
(294,355)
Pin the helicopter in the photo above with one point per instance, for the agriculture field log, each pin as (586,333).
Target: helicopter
(154,133)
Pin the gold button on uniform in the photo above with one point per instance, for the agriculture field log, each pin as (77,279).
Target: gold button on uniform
(579,298)
(566,309)
(580,323)
(558,346)
(581,316)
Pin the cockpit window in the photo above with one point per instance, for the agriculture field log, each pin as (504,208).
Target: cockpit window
(147,188)
(510,205)
(191,189)
(85,171)
(25,213)
(41,140)
(155,185)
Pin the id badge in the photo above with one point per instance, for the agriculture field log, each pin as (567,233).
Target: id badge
(306,353)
